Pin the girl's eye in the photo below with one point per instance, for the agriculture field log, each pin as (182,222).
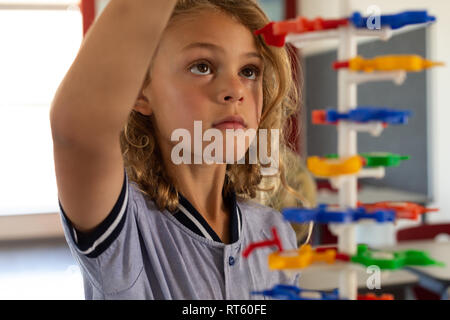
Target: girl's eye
(252,72)
(201,68)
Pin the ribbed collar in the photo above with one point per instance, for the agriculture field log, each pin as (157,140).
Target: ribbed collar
(192,219)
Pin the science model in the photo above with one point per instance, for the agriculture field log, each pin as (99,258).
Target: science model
(346,166)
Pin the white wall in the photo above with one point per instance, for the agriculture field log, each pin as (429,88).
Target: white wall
(439,85)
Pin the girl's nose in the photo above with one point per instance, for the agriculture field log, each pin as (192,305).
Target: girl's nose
(232,99)
(231,91)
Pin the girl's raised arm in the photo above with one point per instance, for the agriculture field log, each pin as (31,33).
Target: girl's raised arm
(92,104)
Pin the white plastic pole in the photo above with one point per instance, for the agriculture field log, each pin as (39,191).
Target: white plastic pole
(347,146)
(377,173)
(375,128)
(398,77)
(302,39)
(384,34)
(347,138)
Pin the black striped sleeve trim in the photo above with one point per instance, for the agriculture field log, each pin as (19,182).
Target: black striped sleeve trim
(94,243)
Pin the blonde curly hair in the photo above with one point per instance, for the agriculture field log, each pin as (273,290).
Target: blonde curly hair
(142,155)
(292,186)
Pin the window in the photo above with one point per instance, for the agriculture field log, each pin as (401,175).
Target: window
(39,41)
(275,9)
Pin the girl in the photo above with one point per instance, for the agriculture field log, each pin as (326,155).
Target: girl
(140,225)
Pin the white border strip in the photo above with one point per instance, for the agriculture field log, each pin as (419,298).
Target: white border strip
(239,220)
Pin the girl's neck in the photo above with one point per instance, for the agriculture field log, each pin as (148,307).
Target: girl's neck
(201,185)
(204,192)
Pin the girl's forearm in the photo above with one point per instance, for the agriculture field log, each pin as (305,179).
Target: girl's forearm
(99,90)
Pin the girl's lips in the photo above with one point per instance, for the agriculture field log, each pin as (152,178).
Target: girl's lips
(229,125)
(231,122)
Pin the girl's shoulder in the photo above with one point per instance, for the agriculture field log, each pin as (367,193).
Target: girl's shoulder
(261,219)
(143,208)
(256,212)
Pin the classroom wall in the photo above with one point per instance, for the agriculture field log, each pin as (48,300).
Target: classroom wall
(439,80)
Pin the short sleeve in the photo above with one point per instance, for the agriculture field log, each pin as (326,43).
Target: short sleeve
(94,243)
(112,250)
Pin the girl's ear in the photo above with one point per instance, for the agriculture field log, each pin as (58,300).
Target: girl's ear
(142,105)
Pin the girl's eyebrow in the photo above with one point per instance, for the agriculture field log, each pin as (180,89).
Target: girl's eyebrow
(214,47)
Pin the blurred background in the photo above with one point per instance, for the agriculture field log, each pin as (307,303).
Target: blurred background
(39,41)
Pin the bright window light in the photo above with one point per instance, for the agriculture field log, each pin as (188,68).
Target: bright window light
(37,49)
